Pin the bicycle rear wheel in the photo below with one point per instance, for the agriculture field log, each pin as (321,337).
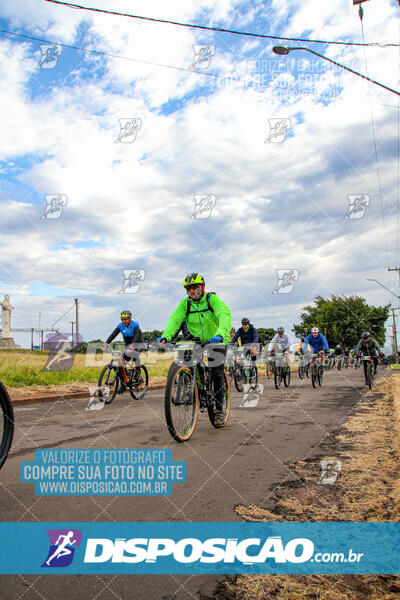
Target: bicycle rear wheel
(225,407)
(140,383)
(6,424)
(108,378)
(181,410)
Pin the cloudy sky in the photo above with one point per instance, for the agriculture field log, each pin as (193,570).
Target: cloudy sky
(104,154)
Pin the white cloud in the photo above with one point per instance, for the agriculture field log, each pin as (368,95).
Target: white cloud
(278,205)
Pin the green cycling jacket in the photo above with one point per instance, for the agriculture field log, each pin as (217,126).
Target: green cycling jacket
(201,322)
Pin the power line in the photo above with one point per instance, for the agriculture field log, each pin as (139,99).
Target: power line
(62,316)
(375,148)
(219,29)
(155,64)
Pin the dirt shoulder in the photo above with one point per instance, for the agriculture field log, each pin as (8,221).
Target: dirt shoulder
(367,489)
(81,389)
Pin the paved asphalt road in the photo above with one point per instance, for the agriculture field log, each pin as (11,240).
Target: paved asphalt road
(235,465)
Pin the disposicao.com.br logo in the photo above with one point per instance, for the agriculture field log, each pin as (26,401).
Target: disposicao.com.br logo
(191,550)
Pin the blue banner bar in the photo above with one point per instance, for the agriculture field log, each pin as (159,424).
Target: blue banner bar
(194,548)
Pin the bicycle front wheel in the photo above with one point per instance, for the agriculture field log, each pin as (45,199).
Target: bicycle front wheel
(278,377)
(269,370)
(238,379)
(225,407)
(6,424)
(109,378)
(301,371)
(140,383)
(320,374)
(181,410)
(286,376)
(370,377)
(314,376)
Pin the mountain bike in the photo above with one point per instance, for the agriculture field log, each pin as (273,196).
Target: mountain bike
(369,370)
(304,367)
(6,424)
(120,375)
(317,370)
(243,370)
(280,370)
(190,387)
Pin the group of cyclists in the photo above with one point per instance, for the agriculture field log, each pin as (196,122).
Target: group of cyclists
(203,317)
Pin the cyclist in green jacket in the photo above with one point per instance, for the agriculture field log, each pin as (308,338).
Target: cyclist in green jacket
(207,318)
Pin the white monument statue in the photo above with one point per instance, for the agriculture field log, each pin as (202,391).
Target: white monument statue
(6,307)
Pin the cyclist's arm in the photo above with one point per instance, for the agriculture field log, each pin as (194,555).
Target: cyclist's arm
(272,342)
(137,334)
(223,314)
(113,335)
(175,320)
(235,337)
(325,343)
(255,335)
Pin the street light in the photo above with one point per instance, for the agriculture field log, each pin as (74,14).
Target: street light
(282,50)
(384,286)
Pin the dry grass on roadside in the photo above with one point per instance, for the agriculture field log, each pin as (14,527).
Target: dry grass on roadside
(368,489)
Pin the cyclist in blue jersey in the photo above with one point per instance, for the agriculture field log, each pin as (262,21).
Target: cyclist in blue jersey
(132,334)
(316,340)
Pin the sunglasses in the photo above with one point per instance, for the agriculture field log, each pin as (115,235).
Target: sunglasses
(192,287)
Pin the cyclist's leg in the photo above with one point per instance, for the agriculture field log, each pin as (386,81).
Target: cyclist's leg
(287,357)
(375,359)
(365,363)
(217,376)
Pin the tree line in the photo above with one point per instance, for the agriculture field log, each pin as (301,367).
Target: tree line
(342,319)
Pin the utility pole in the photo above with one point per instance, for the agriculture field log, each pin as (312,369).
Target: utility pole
(76,320)
(72,339)
(396,356)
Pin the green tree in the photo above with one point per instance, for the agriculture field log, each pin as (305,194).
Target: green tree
(343,319)
(265,335)
(151,336)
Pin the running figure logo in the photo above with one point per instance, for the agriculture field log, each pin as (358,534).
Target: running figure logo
(286,280)
(55,203)
(203,205)
(128,130)
(357,206)
(63,543)
(132,281)
(330,470)
(278,129)
(50,55)
(203,54)
(251,395)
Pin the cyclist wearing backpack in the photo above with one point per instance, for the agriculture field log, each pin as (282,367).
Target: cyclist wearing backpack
(207,318)
(369,347)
